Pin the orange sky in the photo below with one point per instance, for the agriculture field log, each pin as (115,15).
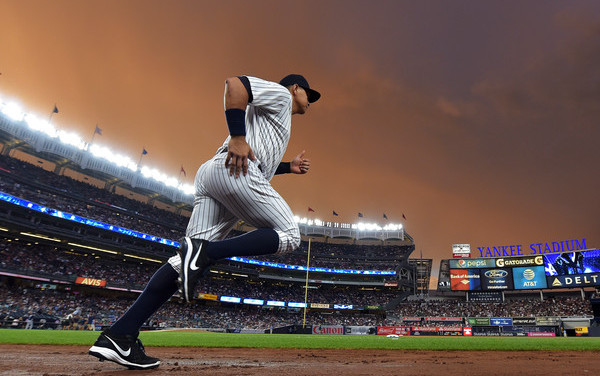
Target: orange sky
(477,120)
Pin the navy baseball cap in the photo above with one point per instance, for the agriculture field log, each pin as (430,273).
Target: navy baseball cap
(292,79)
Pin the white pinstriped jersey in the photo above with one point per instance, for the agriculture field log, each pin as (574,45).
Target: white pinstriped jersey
(268,124)
(221,200)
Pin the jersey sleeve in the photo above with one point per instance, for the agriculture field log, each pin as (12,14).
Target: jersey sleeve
(270,96)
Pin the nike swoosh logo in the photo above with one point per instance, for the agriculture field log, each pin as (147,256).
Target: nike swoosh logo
(119,349)
(195,259)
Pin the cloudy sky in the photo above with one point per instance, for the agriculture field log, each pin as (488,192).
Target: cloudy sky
(477,120)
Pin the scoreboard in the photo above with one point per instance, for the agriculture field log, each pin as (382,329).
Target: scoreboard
(557,270)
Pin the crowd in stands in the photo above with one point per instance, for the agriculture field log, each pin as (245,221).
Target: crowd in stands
(38,259)
(552,306)
(48,260)
(63,193)
(84,310)
(35,184)
(76,309)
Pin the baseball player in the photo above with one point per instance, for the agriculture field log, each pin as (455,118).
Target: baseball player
(232,185)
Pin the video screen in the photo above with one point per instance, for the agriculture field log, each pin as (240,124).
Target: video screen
(569,263)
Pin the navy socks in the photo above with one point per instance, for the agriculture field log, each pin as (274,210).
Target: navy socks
(263,241)
(163,283)
(161,287)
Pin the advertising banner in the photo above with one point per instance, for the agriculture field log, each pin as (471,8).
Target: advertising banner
(359,330)
(319,305)
(467,331)
(411,318)
(436,331)
(90,281)
(444,276)
(465,279)
(207,296)
(497,279)
(328,329)
(472,263)
(529,277)
(524,321)
(540,334)
(520,261)
(478,321)
(501,321)
(549,321)
(442,318)
(396,330)
(461,250)
(577,280)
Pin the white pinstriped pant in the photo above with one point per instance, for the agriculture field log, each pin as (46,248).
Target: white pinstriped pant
(221,200)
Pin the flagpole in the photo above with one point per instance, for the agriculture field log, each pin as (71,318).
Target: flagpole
(94,134)
(140,161)
(54,111)
(141,155)
(306,285)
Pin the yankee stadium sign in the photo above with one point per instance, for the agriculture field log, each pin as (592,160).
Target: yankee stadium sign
(532,249)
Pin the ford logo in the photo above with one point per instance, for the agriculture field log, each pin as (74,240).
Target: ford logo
(496,273)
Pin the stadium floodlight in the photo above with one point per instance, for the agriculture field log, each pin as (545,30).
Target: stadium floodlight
(71,138)
(367,226)
(188,189)
(118,159)
(153,173)
(13,111)
(301,220)
(392,227)
(40,125)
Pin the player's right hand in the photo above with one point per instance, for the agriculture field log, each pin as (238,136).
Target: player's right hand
(238,153)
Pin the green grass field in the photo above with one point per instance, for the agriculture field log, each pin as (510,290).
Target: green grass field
(291,341)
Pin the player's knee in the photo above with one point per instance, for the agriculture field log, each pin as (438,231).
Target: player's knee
(289,240)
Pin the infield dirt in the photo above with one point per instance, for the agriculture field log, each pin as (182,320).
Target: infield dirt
(73,360)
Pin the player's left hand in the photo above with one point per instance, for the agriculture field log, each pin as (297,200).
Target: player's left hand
(300,165)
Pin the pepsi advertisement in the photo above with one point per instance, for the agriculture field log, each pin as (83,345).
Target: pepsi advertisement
(497,279)
(529,277)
